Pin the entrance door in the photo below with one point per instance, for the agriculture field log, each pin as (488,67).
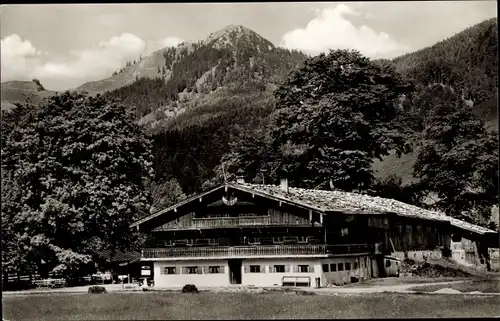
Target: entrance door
(234,271)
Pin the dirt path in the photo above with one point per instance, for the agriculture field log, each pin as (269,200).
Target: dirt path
(398,288)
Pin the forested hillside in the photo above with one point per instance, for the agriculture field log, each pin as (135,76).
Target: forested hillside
(467,61)
(201,102)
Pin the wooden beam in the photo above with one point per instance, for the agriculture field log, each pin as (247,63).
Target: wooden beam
(321,218)
(200,199)
(310,215)
(175,210)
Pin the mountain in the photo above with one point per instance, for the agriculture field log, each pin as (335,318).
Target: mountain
(196,98)
(233,39)
(466,61)
(13,92)
(232,57)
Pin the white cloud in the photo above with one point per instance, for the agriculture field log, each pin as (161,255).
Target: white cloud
(22,61)
(331,29)
(162,43)
(18,57)
(97,62)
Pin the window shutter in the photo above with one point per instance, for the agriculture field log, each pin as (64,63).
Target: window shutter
(247,269)
(311,269)
(262,269)
(287,268)
(184,270)
(222,269)
(199,270)
(295,268)
(271,269)
(206,270)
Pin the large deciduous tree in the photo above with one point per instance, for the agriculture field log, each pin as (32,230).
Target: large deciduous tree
(335,115)
(458,157)
(75,169)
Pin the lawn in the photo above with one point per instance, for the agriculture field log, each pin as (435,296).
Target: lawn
(208,305)
(485,286)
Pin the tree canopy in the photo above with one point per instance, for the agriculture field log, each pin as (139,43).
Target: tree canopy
(75,170)
(458,157)
(333,116)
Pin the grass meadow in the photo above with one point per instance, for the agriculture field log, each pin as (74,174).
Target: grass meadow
(209,305)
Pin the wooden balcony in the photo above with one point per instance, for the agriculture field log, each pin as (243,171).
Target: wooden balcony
(349,248)
(216,222)
(226,252)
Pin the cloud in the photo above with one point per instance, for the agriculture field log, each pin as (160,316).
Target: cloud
(331,29)
(162,43)
(22,61)
(17,57)
(96,62)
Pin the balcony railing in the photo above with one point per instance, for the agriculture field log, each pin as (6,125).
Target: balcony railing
(230,221)
(348,248)
(252,251)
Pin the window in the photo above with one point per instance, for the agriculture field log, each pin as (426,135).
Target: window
(278,239)
(333,267)
(279,269)
(170,270)
(192,270)
(355,265)
(341,266)
(347,266)
(303,268)
(254,240)
(325,267)
(254,268)
(214,269)
(302,239)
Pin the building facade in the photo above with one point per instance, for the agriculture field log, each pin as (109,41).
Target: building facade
(266,235)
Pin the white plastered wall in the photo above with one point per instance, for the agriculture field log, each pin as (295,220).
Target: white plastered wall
(179,280)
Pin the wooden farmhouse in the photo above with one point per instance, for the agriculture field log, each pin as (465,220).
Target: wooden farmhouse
(267,235)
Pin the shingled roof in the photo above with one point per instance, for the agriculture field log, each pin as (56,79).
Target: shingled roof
(329,202)
(339,201)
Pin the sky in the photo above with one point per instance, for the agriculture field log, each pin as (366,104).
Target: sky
(66,45)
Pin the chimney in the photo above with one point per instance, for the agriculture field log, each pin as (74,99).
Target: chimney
(240,179)
(284,185)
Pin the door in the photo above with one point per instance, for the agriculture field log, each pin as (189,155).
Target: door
(234,271)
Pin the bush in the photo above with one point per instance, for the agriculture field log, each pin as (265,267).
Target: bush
(97,289)
(189,288)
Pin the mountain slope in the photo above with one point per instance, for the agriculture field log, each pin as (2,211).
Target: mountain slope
(467,61)
(13,92)
(229,58)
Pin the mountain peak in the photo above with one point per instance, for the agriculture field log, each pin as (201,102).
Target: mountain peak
(232,34)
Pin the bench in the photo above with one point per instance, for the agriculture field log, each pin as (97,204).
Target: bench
(50,283)
(296,281)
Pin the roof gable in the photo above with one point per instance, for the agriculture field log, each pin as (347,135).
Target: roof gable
(329,202)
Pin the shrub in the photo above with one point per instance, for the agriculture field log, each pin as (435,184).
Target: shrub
(97,289)
(189,288)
